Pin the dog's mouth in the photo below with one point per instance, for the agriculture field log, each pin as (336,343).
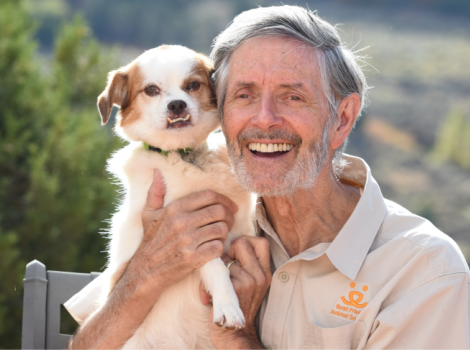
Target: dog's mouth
(175,122)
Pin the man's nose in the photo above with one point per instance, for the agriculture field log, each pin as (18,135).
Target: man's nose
(266,118)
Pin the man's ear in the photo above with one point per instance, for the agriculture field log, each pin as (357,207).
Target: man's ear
(116,93)
(348,110)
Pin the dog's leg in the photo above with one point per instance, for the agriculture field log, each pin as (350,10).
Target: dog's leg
(216,278)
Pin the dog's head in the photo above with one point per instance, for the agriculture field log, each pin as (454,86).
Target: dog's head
(166,98)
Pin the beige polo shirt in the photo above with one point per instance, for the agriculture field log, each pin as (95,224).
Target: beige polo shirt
(390,279)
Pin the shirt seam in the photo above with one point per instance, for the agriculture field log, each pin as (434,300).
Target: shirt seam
(435,278)
(427,253)
(424,283)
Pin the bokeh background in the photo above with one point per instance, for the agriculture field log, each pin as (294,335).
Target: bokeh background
(55,196)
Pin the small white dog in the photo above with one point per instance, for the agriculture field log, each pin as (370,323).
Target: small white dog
(167,110)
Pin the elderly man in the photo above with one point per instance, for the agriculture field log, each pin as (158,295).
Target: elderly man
(344,268)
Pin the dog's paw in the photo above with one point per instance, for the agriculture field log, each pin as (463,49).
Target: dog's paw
(228,315)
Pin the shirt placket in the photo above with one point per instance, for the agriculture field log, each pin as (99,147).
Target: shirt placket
(280,295)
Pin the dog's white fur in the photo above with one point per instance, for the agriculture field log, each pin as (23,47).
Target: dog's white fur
(178,319)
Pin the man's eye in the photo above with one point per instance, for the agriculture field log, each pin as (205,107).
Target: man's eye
(195,85)
(294,98)
(152,90)
(243,96)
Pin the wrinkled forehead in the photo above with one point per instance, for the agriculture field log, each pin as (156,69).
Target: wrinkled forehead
(167,64)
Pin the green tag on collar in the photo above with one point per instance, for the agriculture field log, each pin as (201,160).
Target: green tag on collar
(184,150)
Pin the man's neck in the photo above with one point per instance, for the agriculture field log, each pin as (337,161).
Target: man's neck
(309,217)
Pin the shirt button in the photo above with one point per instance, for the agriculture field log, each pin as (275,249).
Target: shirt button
(283,277)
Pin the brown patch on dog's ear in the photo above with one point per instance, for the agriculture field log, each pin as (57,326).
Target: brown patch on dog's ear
(205,64)
(116,93)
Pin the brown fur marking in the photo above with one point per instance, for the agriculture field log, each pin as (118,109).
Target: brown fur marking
(202,73)
(131,111)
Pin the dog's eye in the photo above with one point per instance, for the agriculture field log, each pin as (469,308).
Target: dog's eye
(195,85)
(151,90)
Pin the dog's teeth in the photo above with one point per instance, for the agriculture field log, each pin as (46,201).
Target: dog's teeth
(172,121)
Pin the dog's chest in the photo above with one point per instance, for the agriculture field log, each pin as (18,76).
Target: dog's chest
(209,170)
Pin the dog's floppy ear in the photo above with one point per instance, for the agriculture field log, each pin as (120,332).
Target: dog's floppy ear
(208,67)
(116,93)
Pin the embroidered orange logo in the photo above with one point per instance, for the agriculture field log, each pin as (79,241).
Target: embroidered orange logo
(355,297)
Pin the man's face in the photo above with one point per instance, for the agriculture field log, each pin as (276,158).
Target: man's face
(274,96)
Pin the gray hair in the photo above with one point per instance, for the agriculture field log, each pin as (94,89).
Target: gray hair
(340,72)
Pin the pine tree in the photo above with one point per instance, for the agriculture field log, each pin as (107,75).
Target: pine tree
(54,192)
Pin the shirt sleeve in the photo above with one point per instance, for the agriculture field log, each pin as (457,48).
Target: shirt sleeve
(434,315)
(82,304)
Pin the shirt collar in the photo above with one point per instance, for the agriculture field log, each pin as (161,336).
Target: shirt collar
(349,249)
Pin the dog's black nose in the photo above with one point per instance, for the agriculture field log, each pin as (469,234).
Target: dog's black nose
(177,106)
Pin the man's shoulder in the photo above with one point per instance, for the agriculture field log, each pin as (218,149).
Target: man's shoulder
(417,238)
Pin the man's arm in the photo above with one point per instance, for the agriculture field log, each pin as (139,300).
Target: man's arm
(251,281)
(113,324)
(434,315)
(177,239)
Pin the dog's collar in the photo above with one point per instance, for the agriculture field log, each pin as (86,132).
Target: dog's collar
(187,154)
(165,153)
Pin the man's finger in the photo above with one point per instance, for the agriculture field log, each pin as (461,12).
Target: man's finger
(203,199)
(262,251)
(212,214)
(253,253)
(156,193)
(217,230)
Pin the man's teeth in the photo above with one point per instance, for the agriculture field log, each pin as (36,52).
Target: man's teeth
(171,121)
(270,147)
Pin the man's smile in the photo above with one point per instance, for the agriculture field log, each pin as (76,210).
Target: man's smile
(269,150)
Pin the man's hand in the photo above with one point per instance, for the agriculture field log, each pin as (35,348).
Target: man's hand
(177,239)
(251,281)
(182,236)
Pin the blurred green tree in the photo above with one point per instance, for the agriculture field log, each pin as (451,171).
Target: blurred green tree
(54,191)
(453,139)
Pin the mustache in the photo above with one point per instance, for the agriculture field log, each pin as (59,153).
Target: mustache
(268,135)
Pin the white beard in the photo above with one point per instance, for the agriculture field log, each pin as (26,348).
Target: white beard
(310,160)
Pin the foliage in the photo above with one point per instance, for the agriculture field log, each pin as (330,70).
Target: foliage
(453,140)
(54,191)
